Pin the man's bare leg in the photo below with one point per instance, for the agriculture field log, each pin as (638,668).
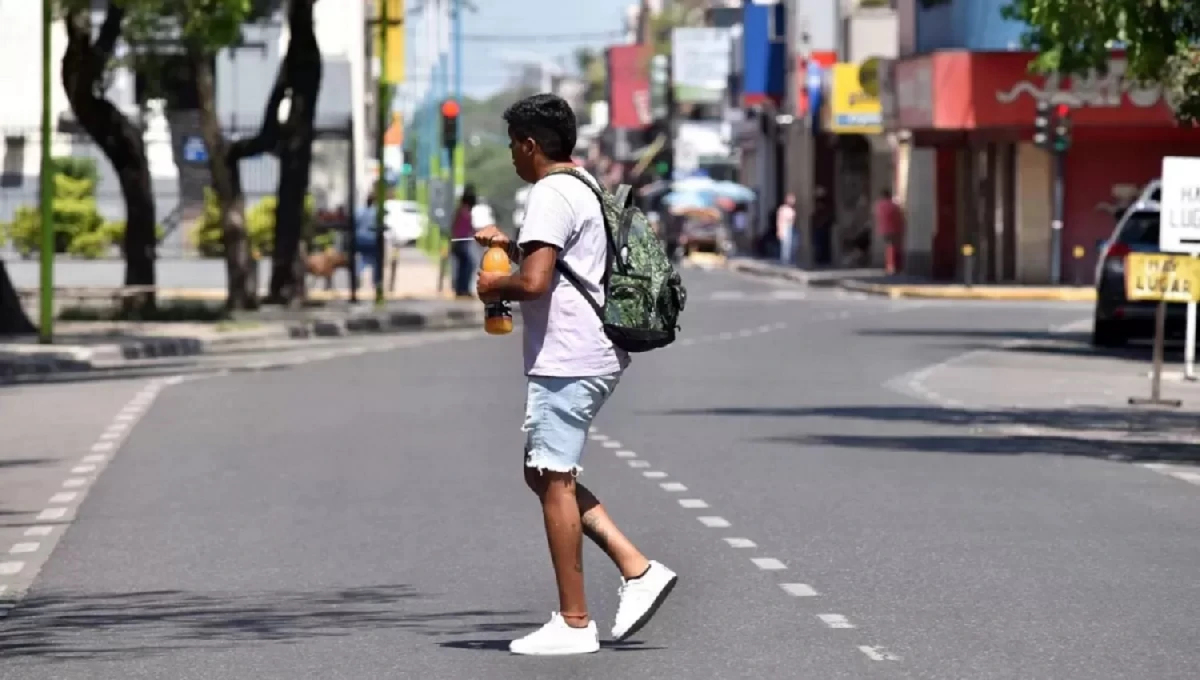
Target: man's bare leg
(600,528)
(560,510)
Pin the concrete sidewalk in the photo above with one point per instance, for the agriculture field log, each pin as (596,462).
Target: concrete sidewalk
(87,346)
(875,282)
(1061,396)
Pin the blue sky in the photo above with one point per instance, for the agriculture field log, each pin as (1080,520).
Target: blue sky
(502,30)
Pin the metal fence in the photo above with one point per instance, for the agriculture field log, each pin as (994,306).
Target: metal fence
(179,174)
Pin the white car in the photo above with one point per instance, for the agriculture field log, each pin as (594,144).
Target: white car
(405,222)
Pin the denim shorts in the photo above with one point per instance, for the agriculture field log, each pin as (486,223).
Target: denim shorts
(558,412)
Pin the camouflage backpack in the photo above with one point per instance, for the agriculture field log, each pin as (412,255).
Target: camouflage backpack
(643,294)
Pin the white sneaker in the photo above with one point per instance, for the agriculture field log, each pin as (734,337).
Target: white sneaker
(640,598)
(556,638)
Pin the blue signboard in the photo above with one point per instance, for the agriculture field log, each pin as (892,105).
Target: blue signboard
(764,53)
(194,150)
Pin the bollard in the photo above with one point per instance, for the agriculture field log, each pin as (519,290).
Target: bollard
(1078,252)
(968,253)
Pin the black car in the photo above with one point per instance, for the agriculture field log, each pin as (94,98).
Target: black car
(1117,319)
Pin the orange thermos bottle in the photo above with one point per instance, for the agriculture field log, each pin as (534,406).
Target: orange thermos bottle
(497,316)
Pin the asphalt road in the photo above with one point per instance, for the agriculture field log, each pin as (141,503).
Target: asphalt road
(364,517)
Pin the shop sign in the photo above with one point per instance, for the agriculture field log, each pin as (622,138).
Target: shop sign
(1093,90)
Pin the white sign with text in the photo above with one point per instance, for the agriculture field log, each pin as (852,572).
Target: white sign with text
(1179,219)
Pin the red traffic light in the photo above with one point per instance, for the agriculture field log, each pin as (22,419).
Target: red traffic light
(450,108)
(1063,110)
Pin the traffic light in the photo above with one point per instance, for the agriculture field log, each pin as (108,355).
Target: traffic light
(1041,125)
(1062,128)
(450,113)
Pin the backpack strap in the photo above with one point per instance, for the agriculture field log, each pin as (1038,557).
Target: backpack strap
(565,269)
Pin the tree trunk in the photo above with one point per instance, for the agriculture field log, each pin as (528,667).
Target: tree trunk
(13,320)
(302,72)
(241,265)
(83,69)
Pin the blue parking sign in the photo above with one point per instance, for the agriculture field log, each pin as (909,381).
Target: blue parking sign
(194,150)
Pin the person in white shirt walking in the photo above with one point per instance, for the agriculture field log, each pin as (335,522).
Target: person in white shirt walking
(785,229)
(572,369)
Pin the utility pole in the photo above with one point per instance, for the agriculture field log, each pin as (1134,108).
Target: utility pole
(459,156)
(391,16)
(1052,132)
(46,297)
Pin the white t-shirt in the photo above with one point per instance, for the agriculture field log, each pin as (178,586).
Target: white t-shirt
(563,335)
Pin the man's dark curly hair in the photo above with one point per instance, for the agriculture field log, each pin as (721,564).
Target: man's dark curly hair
(546,119)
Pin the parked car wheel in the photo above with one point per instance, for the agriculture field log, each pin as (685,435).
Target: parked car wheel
(1108,334)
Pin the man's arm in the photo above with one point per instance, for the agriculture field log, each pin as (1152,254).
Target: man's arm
(530,282)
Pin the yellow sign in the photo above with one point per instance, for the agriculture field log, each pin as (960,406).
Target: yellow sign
(394,58)
(854,107)
(1159,276)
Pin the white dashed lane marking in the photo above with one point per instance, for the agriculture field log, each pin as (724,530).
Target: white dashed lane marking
(835,621)
(769,564)
(11,568)
(878,653)
(39,531)
(20,548)
(741,543)
(64,497)
(798,589)
(51,514)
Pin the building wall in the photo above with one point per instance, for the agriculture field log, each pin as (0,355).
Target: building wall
(1093,181)
(965,24)
(871,33)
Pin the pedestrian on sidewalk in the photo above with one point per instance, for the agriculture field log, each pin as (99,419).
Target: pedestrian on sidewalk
(364,236)
(462,252)
(785,229)
(572,369)
(889,222)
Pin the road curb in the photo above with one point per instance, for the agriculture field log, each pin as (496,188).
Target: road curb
(852,281)
(994,293)
(21,363)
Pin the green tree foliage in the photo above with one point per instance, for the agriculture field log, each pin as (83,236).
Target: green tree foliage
(79,228)
(1160,38)
(260,222)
